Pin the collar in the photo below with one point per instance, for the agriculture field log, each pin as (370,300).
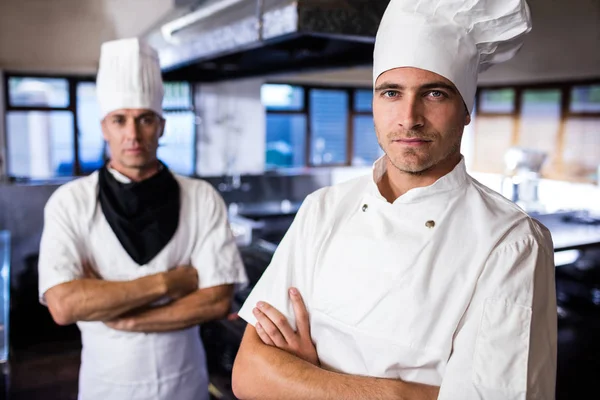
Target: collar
(122,178)
(117,175)
(455,179)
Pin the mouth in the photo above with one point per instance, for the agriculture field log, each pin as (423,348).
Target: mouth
(135,150)
(412,142)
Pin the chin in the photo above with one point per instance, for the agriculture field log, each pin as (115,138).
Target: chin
(412,163)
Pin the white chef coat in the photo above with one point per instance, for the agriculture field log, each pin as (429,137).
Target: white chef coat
(119,365)
(451,285)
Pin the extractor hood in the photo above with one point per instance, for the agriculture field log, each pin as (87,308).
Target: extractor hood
(227,39)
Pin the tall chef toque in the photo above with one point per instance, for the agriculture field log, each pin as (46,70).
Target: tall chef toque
(456,39)
(129,77)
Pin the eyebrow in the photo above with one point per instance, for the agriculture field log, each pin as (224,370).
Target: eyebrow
(144,114)
(427,86)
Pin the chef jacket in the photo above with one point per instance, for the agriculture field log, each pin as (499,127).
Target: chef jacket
(120,365)
(450,285)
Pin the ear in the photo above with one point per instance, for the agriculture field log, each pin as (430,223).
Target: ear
(104,130)
(467,118)
(162,127)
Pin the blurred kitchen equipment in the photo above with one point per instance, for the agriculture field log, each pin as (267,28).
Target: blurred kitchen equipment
(522,176)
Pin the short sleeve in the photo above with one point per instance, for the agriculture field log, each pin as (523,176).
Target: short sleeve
(505,345)
(215,254)
(293,264)
(61,253)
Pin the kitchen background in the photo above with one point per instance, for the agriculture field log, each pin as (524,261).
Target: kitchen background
(269,115)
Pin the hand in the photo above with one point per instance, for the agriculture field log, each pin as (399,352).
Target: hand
(181,281)
(120,324)
(274,329)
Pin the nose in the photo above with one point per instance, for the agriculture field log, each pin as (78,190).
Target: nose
(131,131)
(410,113)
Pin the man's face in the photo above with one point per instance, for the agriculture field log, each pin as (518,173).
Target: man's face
(419,119)
(132,136)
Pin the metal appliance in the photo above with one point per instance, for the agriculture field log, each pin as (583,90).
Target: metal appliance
(213,40)
(522,175)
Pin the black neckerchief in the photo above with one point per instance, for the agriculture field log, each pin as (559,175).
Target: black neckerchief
(143,215)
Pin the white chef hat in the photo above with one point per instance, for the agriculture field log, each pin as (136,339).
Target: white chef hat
(456,39)
(129,77)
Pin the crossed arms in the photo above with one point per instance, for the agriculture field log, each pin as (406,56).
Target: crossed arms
(276,362)
(125,305)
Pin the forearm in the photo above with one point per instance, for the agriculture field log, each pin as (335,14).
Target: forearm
(99,300)
(265,372)
(201,306)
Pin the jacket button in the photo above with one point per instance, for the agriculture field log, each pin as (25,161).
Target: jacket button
(365,207)
(430,224)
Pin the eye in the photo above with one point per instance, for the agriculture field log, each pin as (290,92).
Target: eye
(389,93)
(147,120)
(118,120)
(437,94)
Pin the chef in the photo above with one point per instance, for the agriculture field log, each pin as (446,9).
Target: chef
(134,254)
(415,282)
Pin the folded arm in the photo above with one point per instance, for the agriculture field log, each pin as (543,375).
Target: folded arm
(266,372)
(198,307)
(92,299)
(276,362)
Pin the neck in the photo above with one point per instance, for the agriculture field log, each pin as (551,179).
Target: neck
(137,174)
(396,183)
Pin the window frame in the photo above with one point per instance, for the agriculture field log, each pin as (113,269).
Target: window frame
(565,88)
(72,83)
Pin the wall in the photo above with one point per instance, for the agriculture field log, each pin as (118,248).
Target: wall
(65,35)
(232,128)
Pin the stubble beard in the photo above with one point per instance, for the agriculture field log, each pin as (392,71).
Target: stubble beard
(424,160)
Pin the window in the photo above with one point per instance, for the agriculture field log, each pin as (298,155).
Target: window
(177,147)
(286,125)
(39,128)
(585,99)
(328,126)
(540,120)
(560,119)
(92,149)
(498,101)
(38,92)
(366,149)
(282,97)
(53,127)
(310,126)
(40,143)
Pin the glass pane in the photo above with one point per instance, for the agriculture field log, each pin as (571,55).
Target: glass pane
(177,95)
(585,98)
(40,143)
(38,92)
(176,147)
(329,126)
(497,101)
(366,148)
(493,136)
(540,122)
(282,97)
(91,142)
(286,140)
(582,148)
(544,102)
(363,100)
